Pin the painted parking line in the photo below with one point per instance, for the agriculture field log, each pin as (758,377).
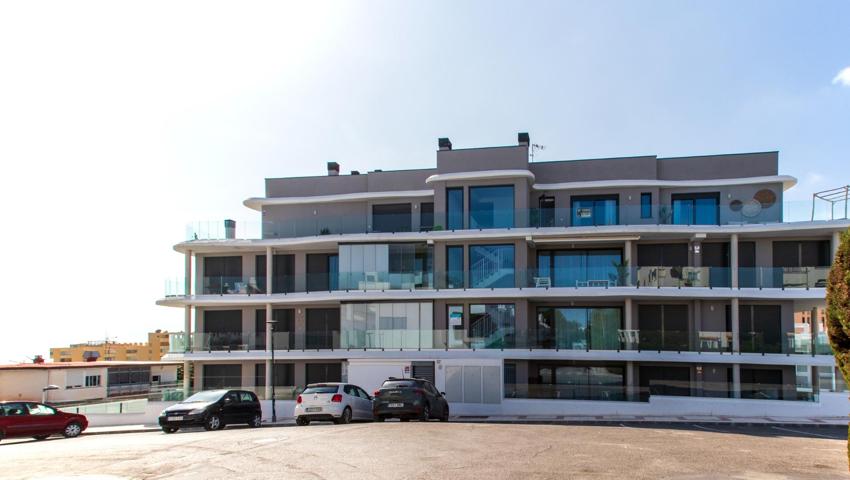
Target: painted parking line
(807,433)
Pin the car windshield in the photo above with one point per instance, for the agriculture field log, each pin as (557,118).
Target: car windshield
(399,384)
(211,396)
(321,389)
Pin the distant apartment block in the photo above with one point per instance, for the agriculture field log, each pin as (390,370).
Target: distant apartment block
(601,285)
(103,350)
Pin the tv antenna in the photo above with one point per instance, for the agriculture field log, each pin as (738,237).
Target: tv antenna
(536,147)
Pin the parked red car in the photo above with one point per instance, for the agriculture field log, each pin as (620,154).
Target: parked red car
(39,421)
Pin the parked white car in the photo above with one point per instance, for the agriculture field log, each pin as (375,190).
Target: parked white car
(336,402)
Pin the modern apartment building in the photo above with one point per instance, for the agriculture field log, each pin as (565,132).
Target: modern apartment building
(638,284)
(153,350)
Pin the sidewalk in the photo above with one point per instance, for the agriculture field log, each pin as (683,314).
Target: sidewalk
(557,420)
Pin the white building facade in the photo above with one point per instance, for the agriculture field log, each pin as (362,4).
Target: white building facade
(638,285)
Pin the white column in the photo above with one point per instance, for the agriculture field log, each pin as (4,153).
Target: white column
(736,380)
(187,327)
(187,274)
(187,386)
(733,260)
(836,241)
(628,321)
(269,334)
(627,260)
(269,253)
(736,325)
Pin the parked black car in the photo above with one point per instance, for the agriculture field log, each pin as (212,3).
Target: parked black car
(213,409)
(407,398)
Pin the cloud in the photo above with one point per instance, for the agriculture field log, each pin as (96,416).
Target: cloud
(842,78)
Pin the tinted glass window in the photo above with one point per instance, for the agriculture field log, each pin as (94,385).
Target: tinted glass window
(426,216)
(14,409)
(324,389)
(454,267)
(391,218)
(399,384)
(696,209)
(601,210)
(492,325)
(454,208)
(491,207)
(349,390)
(246,397)
(491,266)
(645,205)
(210,396)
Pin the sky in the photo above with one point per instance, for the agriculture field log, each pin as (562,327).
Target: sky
(122,121)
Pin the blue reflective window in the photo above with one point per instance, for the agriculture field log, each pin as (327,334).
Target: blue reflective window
(454,208)
(491,207)
(601,210)
(645,205)
(696,209)
(491,266)
(454,266)
(581,268)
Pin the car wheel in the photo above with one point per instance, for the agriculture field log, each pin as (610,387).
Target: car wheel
(257,421)
(213,423)
(302,422)
(40,437)
(73,429)
(169,429)
(445,417)
(345,418)
(426,414)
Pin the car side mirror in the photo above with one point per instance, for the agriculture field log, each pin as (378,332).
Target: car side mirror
(443,393)
(228,400)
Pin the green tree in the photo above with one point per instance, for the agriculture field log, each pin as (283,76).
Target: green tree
(838,310)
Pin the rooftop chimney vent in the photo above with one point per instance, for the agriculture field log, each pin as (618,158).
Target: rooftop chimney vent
(333,169)
(355,172)
(523,139)
(445,144)
(229,229)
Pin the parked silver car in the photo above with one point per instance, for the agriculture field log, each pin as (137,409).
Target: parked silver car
(336,402)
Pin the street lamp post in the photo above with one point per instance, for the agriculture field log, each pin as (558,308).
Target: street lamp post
(274,410)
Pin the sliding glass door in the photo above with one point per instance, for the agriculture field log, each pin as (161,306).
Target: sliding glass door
(579,328)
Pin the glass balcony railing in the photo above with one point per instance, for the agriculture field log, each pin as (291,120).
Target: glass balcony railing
(576,337)
(500,277)
(734,212)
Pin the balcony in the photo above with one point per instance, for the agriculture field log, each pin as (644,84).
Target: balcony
(722,213)
(503,338)
(501,277)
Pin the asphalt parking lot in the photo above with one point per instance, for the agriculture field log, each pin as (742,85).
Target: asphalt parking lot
(432,450)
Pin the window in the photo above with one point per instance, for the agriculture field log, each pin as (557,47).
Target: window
(391,218)
(222,329)
(284,374)
(455,328)
(645,205)
(594,210)
(545,213)
(387,325)
(39,409)
(385,266)
(808,253)
(92,380)
(246,396)
(666,380)
(579,328)
(696,209)
(581,268)
(222,274)
(324,372)
(322,272)
(580,382)
(426,216)
(491,266)
(492,325)
(454,266)
(222,376)
(283,273)
(322,328)
(491,207)
(663,327)
(760,328)
(454,208)
(13,409)
(283,329)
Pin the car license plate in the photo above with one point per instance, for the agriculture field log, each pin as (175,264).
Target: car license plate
(175,419)
(314,409)
(395,405)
